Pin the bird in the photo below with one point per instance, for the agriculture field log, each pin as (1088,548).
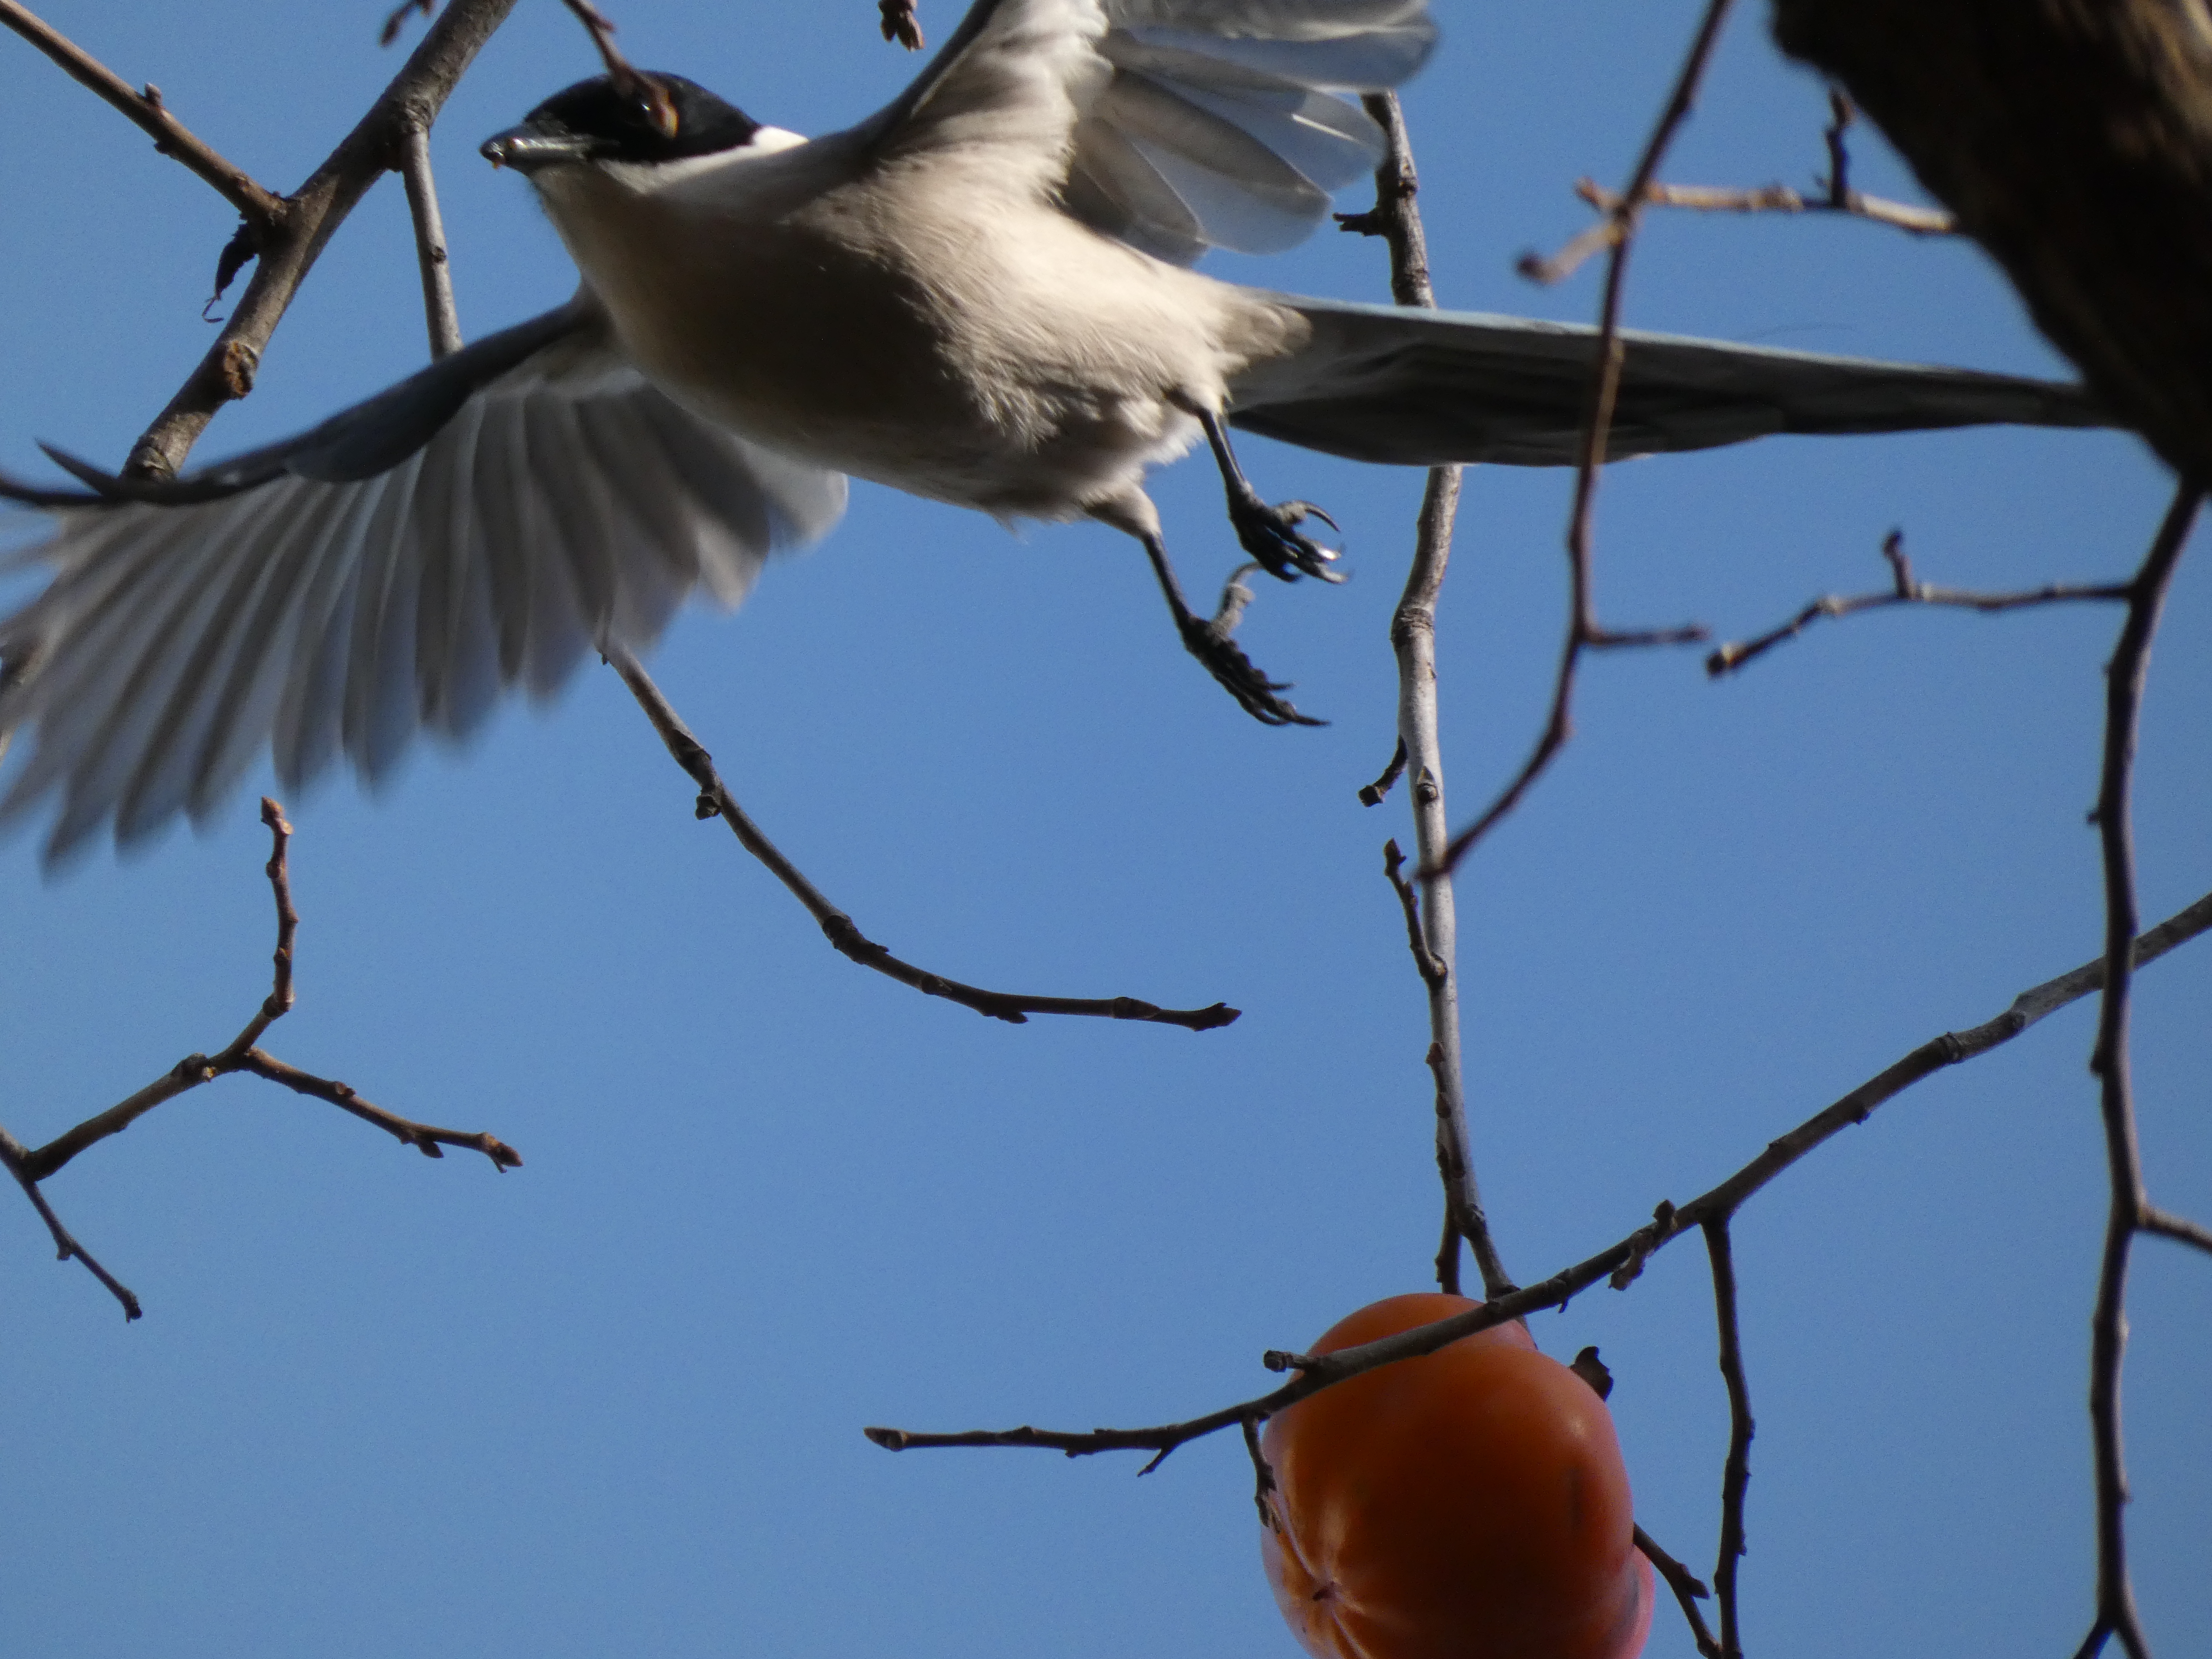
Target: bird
(981,294)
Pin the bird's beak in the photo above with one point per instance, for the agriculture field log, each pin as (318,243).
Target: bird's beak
(527,149)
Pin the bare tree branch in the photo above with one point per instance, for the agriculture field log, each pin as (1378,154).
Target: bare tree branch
(1372,795)
(716,801)
(1583,632)
(1689,1590)
(2130,1201)
(439,311)
(262,207)
(2179,1229)
(1735,1477)
(15,1155)
(30,1167)
(1432,924)
(620,70)
(1837,197)
(900,24)
(1619,1261)
(310,216)
(2074,144)
(1904,590)
(1769,198)
(242,1055)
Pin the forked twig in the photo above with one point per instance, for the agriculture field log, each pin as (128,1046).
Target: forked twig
(143,108)
(31,1167)
(1770,199)
(716,801)
(1904,590)
(1836,196)
(1669,1223)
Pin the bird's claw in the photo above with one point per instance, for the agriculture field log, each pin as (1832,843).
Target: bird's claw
(1239,675)
(1270,535)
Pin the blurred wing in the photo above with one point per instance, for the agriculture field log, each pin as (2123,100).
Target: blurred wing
(1424,388)
(1176,125)
(1218,127)
(480,524)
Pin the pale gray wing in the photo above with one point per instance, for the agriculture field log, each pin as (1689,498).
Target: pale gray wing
(1220,125)
(481,525)
(1172,124)
(1425,388)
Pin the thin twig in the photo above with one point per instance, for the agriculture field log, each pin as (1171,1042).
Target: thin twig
(1371,795)
(1836,196)
(1689,1590)
(2124,686)
(425,1138)
(1763,198)
(1432,925)
(1316,1372)
(262,207)
(900,24)
(439,311)
(16,1157)
(716,801)
(311,216)
(1735,1477)
(1583,632)
(397,21)
(627,78)
(1263,1474)
(29,1168)
(1427,962)
(2179,1229)
(1904,590)
(242,1055)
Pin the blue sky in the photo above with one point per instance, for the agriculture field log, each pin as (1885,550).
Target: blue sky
(610,1403)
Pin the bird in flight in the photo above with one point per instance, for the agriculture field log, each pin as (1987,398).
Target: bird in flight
(981,294)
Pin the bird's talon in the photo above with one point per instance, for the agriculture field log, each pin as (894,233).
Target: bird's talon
(1241,677)
(1269,534)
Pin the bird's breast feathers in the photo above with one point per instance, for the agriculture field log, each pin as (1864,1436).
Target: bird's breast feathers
(913,324)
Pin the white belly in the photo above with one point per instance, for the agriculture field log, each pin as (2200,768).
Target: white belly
(1009,360)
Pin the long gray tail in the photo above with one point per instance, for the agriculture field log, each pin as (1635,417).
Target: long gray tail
(1424,388)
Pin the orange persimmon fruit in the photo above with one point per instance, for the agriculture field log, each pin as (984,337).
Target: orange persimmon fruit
(1468,1504)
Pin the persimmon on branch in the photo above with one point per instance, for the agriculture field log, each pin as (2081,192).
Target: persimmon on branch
(30,1166)
(1621,1262)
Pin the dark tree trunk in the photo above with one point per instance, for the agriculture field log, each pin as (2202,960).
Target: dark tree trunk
(2073,139)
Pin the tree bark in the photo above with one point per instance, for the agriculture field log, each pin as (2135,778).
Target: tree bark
(2073,139)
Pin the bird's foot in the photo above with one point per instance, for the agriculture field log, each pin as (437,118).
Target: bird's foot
(1238,674)
(1270,534)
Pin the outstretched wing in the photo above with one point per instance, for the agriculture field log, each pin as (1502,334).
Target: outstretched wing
(1424,388)
(479,525)
(1173,125)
